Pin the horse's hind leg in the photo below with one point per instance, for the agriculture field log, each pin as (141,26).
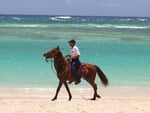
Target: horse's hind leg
(95,89)
(97,95)
(57,91)
(67,88)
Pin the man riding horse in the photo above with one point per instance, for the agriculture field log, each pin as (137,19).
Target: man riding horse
(75,62)
(64,74)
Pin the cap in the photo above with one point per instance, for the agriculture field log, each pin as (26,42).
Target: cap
(72,41)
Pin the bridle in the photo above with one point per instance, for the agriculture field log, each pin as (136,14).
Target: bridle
(51,61)
(52,66)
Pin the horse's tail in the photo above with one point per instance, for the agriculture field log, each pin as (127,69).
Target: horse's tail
(102,76)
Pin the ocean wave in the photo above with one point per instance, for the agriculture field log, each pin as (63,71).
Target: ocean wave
(90,25)
(33,26)
(123,19)
(142,19)
(117,26)
(83,20)
(60,18)
(24,25)
(16,18)
(100,26)
(64,17)
(131,27)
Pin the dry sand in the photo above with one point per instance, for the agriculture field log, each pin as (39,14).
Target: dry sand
(38,100)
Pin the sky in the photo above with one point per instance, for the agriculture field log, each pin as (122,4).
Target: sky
(77,7)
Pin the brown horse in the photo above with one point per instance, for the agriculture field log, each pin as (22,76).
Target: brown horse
(64,74)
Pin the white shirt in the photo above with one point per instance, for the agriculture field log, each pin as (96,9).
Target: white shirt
(75,51)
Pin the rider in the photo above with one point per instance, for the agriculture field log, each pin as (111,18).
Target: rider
(75,63)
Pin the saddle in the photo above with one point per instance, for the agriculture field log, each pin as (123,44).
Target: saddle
(82,70)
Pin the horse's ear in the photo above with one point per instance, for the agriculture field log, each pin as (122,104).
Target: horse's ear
(58,47)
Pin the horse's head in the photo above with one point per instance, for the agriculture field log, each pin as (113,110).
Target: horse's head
(53,53)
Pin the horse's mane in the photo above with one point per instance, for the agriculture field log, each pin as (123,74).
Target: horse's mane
(59,54)
(61,64)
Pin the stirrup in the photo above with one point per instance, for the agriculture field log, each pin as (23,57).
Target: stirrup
(70,82)
(77,82)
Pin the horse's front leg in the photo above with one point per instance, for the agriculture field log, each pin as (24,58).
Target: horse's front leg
(57,91)
(68,90)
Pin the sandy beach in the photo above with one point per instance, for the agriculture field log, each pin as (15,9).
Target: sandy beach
(38,100)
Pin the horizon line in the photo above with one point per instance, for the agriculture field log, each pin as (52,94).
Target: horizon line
(70,15)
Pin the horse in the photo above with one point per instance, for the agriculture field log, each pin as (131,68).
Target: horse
(63,69)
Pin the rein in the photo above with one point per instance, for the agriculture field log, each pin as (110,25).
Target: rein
(52,67)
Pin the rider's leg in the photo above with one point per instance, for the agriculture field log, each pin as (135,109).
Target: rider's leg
(74,67)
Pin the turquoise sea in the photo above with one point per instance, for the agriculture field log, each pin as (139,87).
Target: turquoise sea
(120,46)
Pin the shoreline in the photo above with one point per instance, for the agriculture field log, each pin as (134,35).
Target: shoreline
(77,93)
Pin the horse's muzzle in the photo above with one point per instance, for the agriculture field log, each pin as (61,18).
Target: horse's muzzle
(44,55)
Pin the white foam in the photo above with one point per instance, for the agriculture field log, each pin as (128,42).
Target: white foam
(130,27)
(101,26)
(65,17)
(16,18)
(23,25)
(59,18)
(32,25)
(142,19)
(117,26)
(124,19)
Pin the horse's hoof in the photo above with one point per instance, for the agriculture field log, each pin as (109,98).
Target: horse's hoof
(70,97)
(98,96)
(93,99)
(53,99)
